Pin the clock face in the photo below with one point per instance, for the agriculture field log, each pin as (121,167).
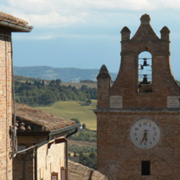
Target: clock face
(145,133)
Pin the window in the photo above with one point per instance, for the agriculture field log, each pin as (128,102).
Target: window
(63,173)
(145,72)
(145,168)
(54,176)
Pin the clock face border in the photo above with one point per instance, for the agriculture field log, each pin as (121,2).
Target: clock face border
(145,133)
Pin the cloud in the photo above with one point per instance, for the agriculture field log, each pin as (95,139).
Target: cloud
(63,35)
(55,13)
(53,19)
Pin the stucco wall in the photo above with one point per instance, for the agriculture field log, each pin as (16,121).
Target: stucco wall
(50,160)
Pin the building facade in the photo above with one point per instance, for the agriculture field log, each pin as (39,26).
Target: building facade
(42,145)
(8,24)
(138,117)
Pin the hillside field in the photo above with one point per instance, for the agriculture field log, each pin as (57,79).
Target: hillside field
(73,109)
(79,85)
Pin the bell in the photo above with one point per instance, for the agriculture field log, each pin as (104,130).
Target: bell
(145,62)
(145,80)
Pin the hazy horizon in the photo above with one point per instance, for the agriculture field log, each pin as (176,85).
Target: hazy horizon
(86,34)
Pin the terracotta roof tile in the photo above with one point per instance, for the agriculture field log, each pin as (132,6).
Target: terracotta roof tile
(29,119)
(78,171)
(18,24)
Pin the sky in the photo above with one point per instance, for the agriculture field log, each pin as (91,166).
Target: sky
(86,33)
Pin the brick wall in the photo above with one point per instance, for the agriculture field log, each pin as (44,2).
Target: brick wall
(5,104)
(126,83)
(119,158)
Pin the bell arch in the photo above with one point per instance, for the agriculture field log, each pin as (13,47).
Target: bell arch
(145,72)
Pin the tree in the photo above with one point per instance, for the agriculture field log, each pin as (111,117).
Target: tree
(58,81)
(88,102)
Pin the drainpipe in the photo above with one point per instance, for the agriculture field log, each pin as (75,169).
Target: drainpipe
(35,163)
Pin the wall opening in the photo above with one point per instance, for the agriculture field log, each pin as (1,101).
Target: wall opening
(63,173)
(54,176)
(145,72)
(145,168)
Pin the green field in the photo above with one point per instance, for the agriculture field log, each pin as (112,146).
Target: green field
(74,109)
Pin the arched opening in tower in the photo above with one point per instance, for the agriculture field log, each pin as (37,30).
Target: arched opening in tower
(145,72)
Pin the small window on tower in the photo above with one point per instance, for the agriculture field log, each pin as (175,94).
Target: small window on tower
(144,72)
(145,168)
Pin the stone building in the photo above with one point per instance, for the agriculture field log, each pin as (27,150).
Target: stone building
(8,24)
(42,145)
(138,117)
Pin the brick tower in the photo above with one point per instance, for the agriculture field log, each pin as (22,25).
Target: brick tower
(8,24)
(138,117)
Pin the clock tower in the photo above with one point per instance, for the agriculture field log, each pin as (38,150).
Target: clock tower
(138,117)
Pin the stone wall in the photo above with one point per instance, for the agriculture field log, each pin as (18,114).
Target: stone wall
(5,104)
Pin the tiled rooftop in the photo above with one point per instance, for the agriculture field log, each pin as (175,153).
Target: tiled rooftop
(16,24)
(78,171)
(29,119)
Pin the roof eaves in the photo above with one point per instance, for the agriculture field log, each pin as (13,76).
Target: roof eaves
(17,27)
(32,133)
(16,24)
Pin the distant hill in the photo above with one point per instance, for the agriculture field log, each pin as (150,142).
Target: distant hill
(65,74)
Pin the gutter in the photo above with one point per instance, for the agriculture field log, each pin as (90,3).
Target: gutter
(68,128)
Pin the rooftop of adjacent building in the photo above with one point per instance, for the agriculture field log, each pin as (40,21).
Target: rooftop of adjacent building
(14,23)
(78,171)
(29,119)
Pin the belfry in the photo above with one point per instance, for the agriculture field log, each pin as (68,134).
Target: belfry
(138,117)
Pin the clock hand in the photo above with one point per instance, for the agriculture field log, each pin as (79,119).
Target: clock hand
(144,137)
